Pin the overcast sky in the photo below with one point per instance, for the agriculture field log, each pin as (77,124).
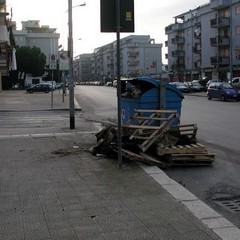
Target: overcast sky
(151,18)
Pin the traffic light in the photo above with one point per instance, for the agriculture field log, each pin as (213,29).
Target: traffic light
(108,15)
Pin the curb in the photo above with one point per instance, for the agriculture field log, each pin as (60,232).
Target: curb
(213,220)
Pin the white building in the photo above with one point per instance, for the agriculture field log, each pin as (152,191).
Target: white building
(139,55)
(43,37)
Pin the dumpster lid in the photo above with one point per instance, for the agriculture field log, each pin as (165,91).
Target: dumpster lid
(148,83)
(141,80)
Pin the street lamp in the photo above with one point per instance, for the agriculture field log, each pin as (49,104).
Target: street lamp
(70,52)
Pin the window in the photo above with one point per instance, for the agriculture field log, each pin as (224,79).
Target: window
(237,10)
(237,30)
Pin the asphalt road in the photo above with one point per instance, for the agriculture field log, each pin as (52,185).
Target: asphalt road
(218,129)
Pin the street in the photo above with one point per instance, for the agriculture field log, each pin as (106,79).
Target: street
(218,129)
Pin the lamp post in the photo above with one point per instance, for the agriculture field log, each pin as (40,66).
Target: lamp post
(70,55)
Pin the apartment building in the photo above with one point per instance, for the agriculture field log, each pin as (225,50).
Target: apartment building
(139,55)
(5,48)
(82,67)
(205,42)
(41,36)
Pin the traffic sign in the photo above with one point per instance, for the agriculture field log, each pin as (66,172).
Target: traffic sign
(53,61)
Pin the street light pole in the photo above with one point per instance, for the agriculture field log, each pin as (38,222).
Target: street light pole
(70,55)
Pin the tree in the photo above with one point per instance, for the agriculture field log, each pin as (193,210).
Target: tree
(30,61)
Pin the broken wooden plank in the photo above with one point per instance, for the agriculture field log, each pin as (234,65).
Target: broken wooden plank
(187,129)
(142,158)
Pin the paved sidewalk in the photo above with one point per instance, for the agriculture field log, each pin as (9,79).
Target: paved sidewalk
(52,188)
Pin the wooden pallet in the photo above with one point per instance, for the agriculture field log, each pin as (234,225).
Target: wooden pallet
(145,132)
(181,149)
(191,159)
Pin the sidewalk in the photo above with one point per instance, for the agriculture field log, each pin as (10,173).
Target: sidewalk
(52,188)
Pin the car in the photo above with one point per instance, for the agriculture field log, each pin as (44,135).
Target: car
(115,83)
(180,86)
(40,87)
(195,86)
(109,84)
(213,81)
(235,82)
(222,91)
(59,85)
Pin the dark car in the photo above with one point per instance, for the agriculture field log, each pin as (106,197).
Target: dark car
(40,87)
(195,86)
(222,91)
(181,87)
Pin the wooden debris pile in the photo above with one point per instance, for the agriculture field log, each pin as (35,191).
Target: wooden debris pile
(156,138)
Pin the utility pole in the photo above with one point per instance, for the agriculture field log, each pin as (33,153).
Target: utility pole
(70,55)
(119,85)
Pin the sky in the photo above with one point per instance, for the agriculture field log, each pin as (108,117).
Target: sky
(151,18)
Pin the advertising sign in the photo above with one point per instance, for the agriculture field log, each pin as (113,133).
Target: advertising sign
(63,61)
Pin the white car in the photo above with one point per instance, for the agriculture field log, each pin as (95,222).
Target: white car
(213,81)
(235,82)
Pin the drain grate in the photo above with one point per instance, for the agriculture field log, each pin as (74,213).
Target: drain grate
(232,205)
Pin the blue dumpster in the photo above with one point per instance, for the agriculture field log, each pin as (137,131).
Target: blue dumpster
(148,97)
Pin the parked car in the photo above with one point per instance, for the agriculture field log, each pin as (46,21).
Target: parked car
(40,87)
(222,91)
(213,81)
(115,83)
(59,85)
(195,86)
(109,84)
(235,82)
(181,87)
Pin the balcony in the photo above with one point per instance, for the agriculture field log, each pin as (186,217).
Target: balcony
(178,40)
(133,63)
(220,61)
(219,4)
(197,35)
(133,54)
(178,53)
(220,22)
(197,49)
(177,66)
(173,27)
(197,64)
(220,41)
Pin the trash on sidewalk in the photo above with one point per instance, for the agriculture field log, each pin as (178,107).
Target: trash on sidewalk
(155,137)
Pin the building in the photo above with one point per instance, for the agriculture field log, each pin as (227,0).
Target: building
(139,55)
(205,42)
(82,67)
(5,45)
(43,37)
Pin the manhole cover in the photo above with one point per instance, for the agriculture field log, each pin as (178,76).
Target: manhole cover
(232,205)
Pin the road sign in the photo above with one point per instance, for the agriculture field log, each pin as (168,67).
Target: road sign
(108,15)
(53,61)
